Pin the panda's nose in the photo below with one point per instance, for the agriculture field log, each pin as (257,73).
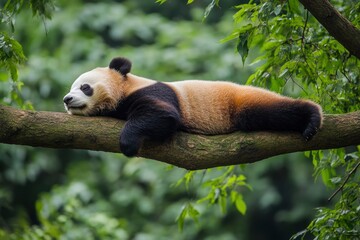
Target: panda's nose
(67,99)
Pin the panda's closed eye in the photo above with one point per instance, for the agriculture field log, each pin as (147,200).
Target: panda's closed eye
(86,89)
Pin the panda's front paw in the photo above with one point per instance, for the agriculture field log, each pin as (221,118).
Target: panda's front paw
(129,148)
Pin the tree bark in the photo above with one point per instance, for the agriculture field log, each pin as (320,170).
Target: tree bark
(338,26)
(60,130)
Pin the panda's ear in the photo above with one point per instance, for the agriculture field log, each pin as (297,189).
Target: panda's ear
(122,65)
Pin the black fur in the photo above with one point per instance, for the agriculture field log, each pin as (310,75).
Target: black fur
(297,115)
(87,90)
(151,112)
(122,65)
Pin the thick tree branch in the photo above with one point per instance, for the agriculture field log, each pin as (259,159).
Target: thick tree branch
(338,26)
(60,130)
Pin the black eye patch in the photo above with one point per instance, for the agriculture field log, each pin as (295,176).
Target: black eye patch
(87,90)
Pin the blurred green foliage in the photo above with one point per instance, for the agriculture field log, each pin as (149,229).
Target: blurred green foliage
(62,194)
(11,52)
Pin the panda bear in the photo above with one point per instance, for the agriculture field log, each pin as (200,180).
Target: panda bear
(156,110)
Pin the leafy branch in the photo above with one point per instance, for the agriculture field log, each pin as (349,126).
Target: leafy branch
(11,52)
(337,25)
(345,181)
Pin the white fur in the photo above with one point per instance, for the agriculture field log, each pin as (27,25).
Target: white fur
(81,104)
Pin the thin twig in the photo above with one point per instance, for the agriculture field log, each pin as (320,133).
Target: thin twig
(346,179)
(296,83)
(303,33)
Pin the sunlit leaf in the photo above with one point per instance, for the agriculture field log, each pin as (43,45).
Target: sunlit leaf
(240,205)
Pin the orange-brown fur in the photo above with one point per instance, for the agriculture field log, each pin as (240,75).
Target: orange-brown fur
(116,87)
(210,107)
(109,91)
(207,107)
(133,83)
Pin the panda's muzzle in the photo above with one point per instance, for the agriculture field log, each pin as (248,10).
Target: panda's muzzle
(68,99)
(71,103)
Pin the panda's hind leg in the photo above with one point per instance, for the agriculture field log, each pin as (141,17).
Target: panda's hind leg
(314,120)
(283,115)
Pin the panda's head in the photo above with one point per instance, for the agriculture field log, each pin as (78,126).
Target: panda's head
(98,90)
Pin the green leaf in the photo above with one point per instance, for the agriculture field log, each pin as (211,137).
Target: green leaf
(240,204)
(209,8)
(301,233)
(295,6)
(222,201)
(160,1)
(277,9)
(187,178)
(288,68)
(181,218)
(193,213)
(242,46)
(237,199)
(335,180)
(244,12)
(188,210)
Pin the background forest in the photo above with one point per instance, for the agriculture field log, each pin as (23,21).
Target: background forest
(76,194)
